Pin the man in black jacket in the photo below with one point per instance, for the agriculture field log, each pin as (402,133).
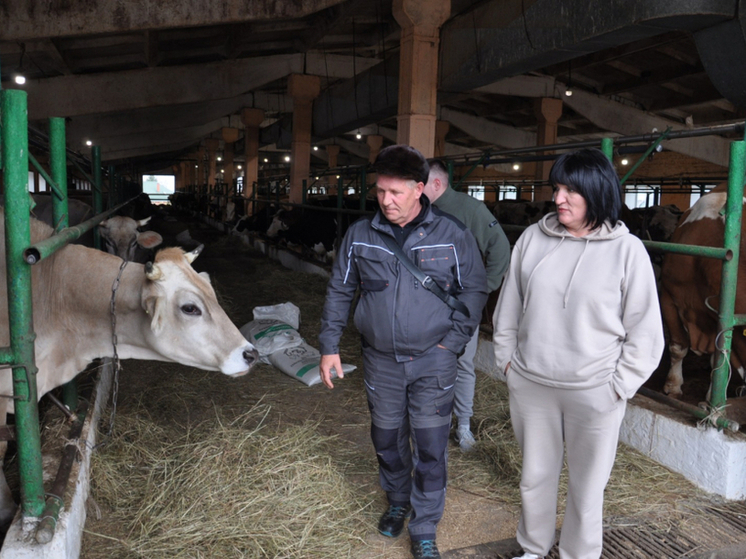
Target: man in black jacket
(411,337)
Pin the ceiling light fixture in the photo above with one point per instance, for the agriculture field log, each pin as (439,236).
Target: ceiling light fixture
(287,158)
(18,76)
(516,166)
(568,91)
(89,143)
(625,161)
(359,136)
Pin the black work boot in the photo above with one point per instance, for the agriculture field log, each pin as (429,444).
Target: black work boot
(425,549)
(391,523)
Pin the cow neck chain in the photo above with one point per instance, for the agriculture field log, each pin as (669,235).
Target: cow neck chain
(117,364)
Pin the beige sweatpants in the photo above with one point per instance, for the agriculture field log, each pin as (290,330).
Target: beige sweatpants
(547,420)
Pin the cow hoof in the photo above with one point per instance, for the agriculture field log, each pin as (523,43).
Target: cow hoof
(672,390)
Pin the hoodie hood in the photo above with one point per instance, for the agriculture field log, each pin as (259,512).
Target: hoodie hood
(551,226)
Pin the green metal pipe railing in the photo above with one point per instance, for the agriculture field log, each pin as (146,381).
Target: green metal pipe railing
(60,214)
(52,184)
(58,165)
(729,279)
(98,196)
(17,238)
(644,156)
(39,251)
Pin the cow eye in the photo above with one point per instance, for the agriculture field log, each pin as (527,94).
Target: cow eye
(192,310)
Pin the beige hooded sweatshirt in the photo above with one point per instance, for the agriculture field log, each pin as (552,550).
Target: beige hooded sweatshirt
(579,312)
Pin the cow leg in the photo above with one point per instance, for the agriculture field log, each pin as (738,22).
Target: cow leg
(675,378)
(678,345)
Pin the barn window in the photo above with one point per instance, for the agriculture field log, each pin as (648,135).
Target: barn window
(158,187)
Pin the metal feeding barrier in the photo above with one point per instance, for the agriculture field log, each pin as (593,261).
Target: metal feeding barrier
(20,255)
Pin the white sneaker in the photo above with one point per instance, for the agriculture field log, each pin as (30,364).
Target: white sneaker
(528,556)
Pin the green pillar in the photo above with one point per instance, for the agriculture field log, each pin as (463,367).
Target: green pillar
(17,238)
(732,237)
(58,165)
(607,146)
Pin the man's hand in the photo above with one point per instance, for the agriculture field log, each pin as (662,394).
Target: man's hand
(329,362)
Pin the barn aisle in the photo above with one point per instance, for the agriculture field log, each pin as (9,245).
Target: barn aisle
(201,465)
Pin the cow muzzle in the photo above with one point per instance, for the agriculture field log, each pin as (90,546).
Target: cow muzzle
(251,357)
(241,361)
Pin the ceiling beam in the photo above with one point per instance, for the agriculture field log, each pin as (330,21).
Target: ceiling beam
(629,121)
(503,38)
(71,96)
(47,19)
(487,131)
(616,117)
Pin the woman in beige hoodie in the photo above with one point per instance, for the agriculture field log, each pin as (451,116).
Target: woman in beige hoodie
(577,331)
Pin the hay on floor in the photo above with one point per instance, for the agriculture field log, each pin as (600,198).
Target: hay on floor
(238,489)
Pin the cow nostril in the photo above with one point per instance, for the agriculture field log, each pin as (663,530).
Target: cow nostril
(250,356)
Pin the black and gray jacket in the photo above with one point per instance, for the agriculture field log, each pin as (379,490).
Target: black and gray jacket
(395,313)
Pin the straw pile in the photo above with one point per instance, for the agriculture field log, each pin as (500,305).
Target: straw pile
(238,489)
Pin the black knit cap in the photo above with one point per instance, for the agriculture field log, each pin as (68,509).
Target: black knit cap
(403,162)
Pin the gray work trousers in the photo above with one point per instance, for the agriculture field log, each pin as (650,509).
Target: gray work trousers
(463,402)
(410,406)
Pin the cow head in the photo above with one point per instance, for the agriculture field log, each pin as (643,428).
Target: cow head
(122,236)
(187,323)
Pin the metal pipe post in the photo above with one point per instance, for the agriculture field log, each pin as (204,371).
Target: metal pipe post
(98,195)
(607,146)
(17,238)
(61,214)
(58,165)
(732,237)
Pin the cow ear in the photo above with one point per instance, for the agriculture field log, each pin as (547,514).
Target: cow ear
(143,221)
(149,239)
(104,224)
(153,271)
(190,256)
(154,308)
(206,276)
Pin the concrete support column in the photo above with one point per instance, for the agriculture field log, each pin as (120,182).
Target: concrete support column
(441,129)
(303,89)
(332,153)
(374,142)
(420,21)
(547,112)
(230,135)
(211,144)
(251,119)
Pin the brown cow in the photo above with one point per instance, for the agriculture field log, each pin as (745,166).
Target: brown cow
(166,311)
(690,289)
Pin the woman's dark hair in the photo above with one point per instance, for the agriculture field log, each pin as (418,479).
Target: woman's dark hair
(591,174)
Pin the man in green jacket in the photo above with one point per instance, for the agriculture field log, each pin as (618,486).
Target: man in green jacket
(495,249)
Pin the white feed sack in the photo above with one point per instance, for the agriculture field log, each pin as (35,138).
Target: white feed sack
(279,343)
(302,362)
(269,335)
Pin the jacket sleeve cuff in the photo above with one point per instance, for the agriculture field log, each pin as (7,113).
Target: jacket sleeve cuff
(327,349)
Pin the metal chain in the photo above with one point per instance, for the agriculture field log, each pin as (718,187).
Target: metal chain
(117,364)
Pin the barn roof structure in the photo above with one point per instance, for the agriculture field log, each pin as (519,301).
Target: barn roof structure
(149,82)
